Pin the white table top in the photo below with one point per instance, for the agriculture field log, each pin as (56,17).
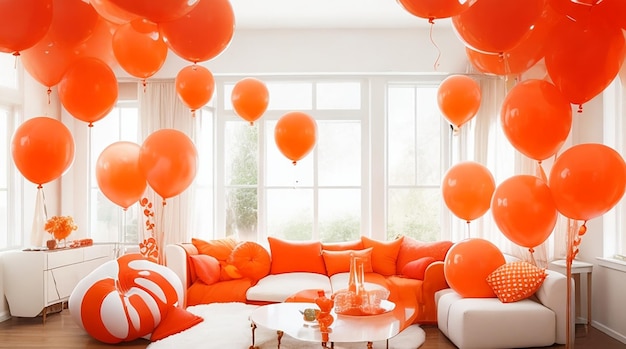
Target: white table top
(577,266)
(286,317)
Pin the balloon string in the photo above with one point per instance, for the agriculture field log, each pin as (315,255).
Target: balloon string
(469,235)
(580,108)
(16,55)
(49,92)
(432,25)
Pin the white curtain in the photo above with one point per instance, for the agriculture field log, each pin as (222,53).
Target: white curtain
(483,141)
(161,108)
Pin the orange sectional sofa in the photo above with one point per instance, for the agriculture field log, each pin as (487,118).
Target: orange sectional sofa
(227,270)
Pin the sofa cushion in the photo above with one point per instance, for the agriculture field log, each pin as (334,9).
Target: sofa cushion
(219,292)
(296,256)
(515,281)
(339,261)
(412,249)
(251,260)
(341,246)
(279,287)
(384,254)
(205,268)
(221,250)
(417,268)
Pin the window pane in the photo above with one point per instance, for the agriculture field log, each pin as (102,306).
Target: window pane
(241,153)
(290,213)
(5,138)
(414,212)
(338,95)
(339,153)
(428,137)
(290,95)
(339,214)
(241,213)
(280,170)
(204,208)
(8,72)
(401,140)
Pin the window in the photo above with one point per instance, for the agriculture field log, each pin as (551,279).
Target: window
(415,161)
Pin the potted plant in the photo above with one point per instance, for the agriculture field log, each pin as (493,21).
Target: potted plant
(60,227)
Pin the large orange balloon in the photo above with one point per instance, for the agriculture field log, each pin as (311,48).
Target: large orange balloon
(587,180)
(47,61)
(195,86)
(88,90)
(72,22)
(467,189)
(250,98)
(157,11)
(458,97)
(295,135)
(433,9)
(111,12)
(523,209)
(42,149)
(118,174)
(495,26)
(467,265)
(203,33)
(139,48)
(168,159)
(538,129)
(582,60)
(23,23)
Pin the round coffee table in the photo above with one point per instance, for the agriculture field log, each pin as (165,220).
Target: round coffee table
(287,318)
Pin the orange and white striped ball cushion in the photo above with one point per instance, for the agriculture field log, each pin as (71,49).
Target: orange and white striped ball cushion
(130,298)
(515,281)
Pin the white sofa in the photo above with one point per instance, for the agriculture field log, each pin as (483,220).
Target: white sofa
(488,323)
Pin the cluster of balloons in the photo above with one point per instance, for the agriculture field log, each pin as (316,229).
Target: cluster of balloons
(166,161)
(581,41)
(74,44)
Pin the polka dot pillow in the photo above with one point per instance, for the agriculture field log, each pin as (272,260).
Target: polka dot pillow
(515,281)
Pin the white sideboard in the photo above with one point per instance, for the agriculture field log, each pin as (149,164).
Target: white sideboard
(35,281)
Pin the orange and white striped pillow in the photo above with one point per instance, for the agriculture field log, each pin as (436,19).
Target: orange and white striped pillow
(515,281)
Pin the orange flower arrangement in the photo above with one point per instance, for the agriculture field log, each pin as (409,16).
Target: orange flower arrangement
(60,226)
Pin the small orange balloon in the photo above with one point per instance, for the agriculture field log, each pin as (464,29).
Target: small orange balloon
(195,86)
(250,98)
(467,265)
(118,174)
(467,189)
(140,53)
(458,98)
(295,135)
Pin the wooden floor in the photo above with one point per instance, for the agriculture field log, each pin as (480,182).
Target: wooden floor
(60,332)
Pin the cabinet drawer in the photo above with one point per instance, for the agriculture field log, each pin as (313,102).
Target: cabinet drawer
(60,258)
(98,251)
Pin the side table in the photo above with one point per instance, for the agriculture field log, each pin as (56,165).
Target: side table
(579,269)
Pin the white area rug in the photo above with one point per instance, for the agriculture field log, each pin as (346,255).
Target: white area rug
(226,325)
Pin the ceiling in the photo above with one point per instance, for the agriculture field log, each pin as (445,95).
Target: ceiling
(276,14)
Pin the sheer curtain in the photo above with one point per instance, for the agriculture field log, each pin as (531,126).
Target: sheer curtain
(159,108)
(482,140)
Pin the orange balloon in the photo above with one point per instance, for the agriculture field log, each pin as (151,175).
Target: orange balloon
(458,97)
(523,209)
(587,180)
(47,61)
(23,23)
(467,189)
(72,22)
(140,53)
(42,149)
(538,129)
(157,11)
(111,12)
(168,160)
(88,90)
(467,265)
(295,135)
(250,98)
(118,174)
(203,33)
(195,86)
(496,26)
(433,9)
(99,44)
(582,60)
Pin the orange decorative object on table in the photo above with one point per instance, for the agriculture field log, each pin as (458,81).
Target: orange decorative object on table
(324,318)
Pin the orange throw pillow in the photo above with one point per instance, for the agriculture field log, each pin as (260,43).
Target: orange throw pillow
(296,256)
(251,260)
(339,261)
(342,246)
(221,250)
(417,268)
(206,268)
(384,254)
(413,249)
(515,281)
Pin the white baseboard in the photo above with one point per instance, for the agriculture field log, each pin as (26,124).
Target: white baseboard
(5,315)
(614,334)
